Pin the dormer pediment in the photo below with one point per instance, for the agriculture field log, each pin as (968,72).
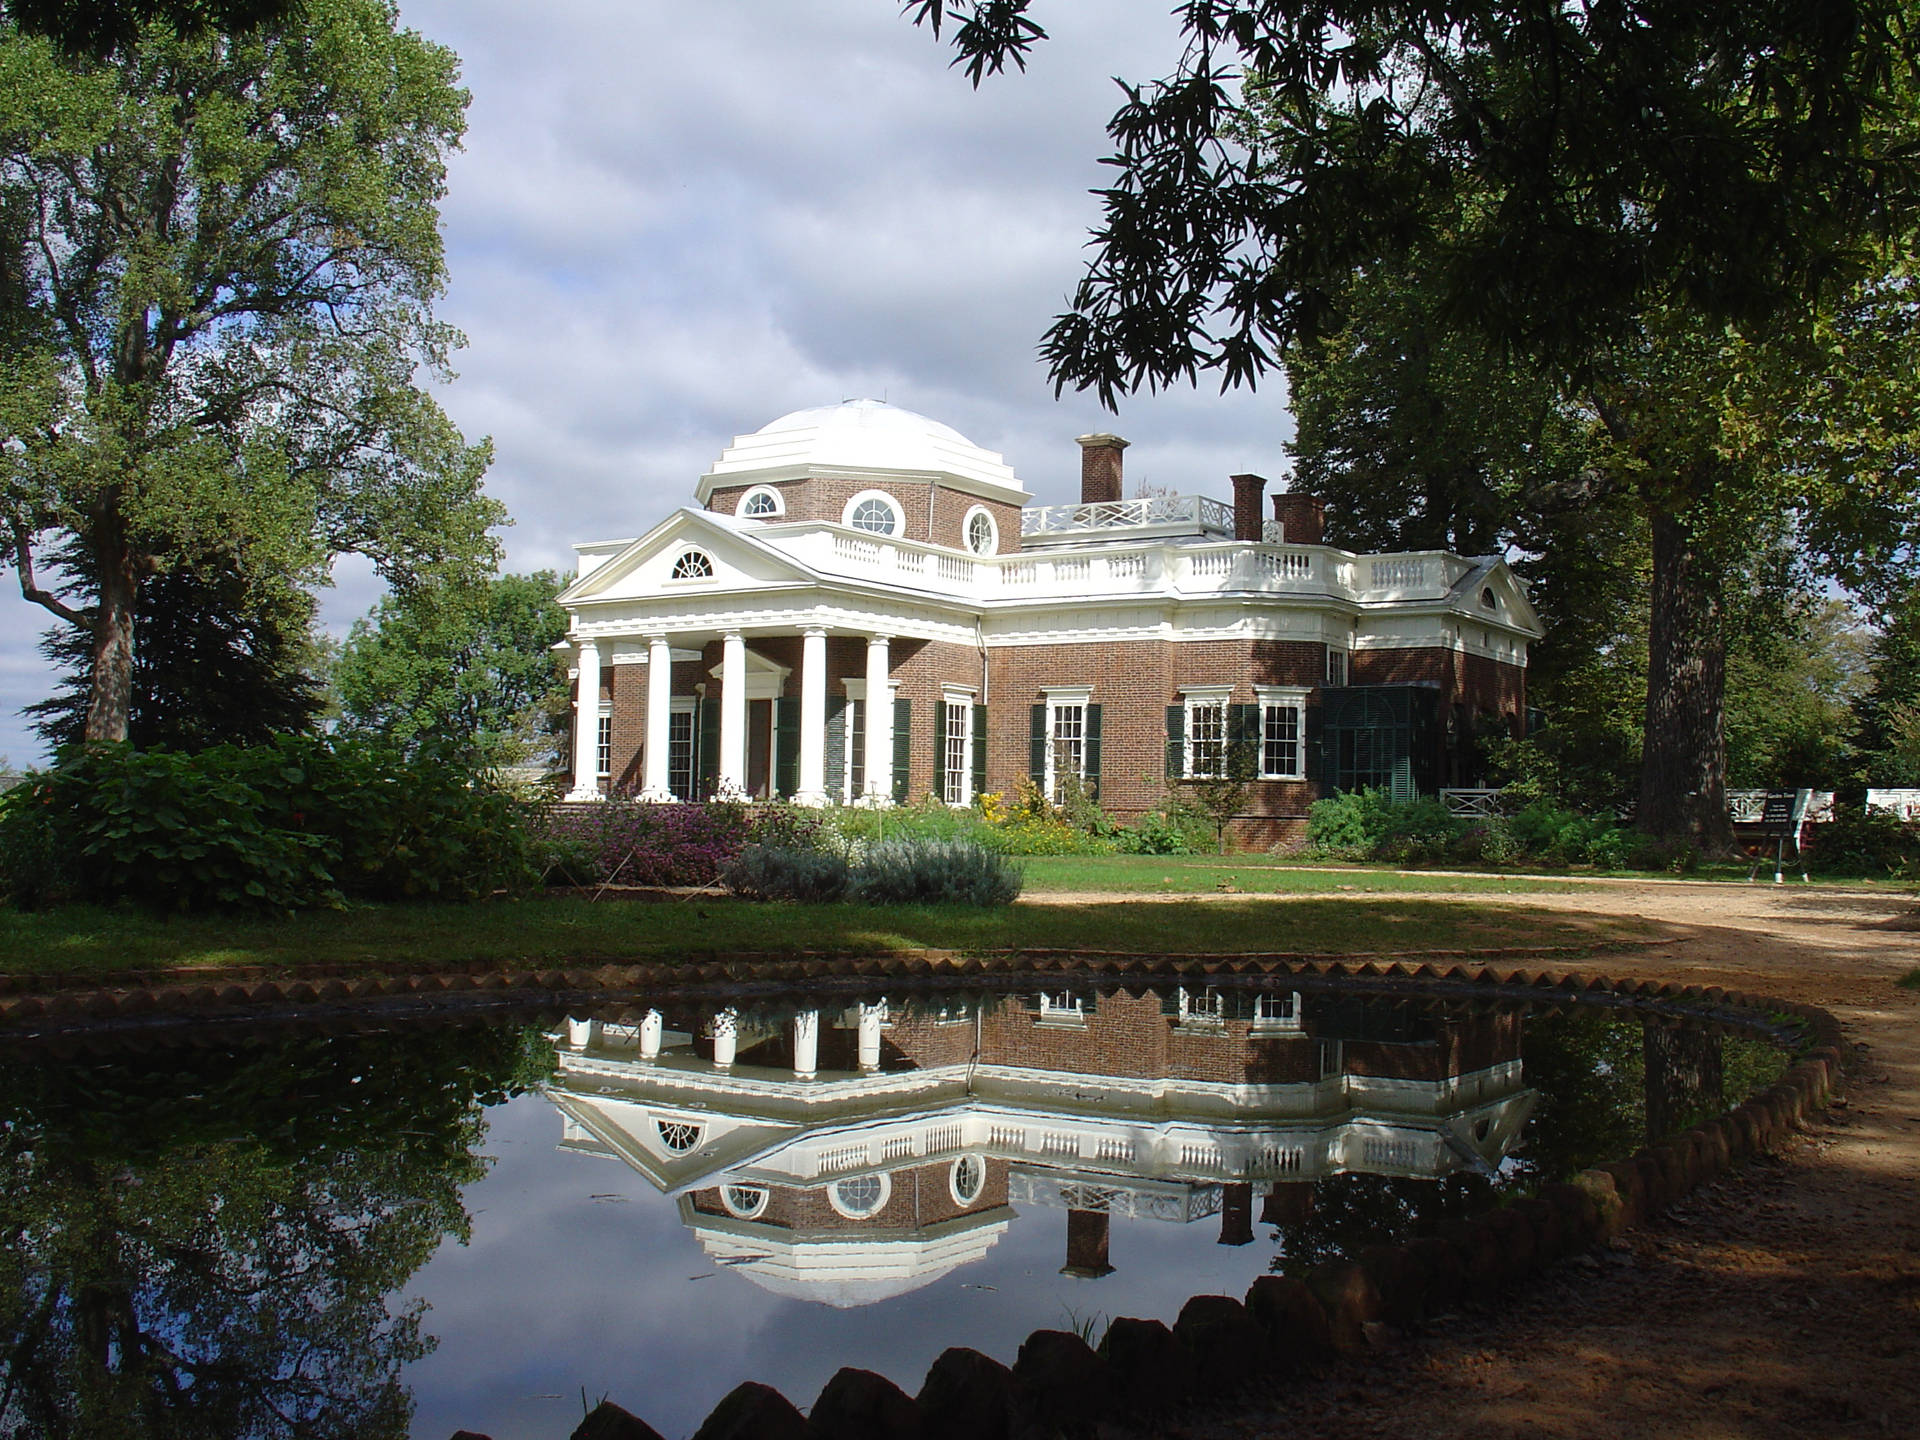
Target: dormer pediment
(689,552)
(1490,591)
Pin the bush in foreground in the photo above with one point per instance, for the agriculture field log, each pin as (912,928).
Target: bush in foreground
(941,872)
(298,823)
(773,872)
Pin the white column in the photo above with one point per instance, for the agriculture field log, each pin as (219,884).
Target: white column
(652,1027)
(879,725)
(806,1044)
(726,1038)
(586,726)
(733,714)
(813,718)
(659,717)
(871,1018)
(582,1033)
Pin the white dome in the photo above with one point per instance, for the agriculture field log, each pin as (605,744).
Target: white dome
(864,438)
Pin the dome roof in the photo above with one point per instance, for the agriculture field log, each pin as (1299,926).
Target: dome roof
(864,438)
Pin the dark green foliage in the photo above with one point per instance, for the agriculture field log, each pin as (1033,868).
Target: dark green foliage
(1558,836)
(920,872)
(1865,843)
(1369,825)
(771,872)
(220,661)
(296,823)
(99,27)
(1887,714)
(472,666)
(218,1231)
(1174,827)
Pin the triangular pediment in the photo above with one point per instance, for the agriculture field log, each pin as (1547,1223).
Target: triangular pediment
(690,552)
(1493,577)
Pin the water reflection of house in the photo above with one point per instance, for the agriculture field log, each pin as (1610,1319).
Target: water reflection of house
(851,1153)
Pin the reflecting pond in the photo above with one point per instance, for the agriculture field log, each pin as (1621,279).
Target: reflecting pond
(386,1227)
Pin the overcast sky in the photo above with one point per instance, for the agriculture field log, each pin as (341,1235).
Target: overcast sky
(673,222)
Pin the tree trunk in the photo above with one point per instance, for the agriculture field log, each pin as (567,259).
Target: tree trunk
(1683,772)
(111,697)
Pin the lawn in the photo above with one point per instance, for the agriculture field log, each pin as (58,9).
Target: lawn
(1255,875)
(89,942)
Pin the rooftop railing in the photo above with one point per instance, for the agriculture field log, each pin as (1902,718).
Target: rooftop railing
(1202,512)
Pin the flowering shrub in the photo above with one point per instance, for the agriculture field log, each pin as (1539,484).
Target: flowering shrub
(1030,825)
(630,842)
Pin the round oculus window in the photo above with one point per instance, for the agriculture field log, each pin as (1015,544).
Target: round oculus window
(968,1178)
(744,1202)
(859,1196)
(980,536)
(875,516)
(760,504)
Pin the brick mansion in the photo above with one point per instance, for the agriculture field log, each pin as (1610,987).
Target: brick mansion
(863,606)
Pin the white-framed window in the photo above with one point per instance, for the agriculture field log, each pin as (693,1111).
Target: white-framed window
(967,1179)
(1277,1010)
(1062,1007)
(859,1196)
(956,746)
(1206,730)
(1066,736)
(678,1136)
(1283,733)
(692,565)
(603,741)
(1336,668)
(762,502)
(874,511)
(744,1202)
(1201,1007)
(982,533)
(680,737)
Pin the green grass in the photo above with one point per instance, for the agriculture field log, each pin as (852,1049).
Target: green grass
(1911,979)
(1255,875)
(82,941)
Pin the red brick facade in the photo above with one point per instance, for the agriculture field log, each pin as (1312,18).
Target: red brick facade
(825,499)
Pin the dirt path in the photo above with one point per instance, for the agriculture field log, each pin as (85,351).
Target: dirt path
(1783,1301)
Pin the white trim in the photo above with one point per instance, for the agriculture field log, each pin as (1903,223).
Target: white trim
(749,496)
(846,1211)
(1065,697)
(1283,697)
(966,531)
(965,1201)
(1205,697)
(899,530)
(963,699)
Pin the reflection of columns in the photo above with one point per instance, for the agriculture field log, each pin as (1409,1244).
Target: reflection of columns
(582,1033)
(806,1044)
(726,1038)
(659,718)
(1236,1214)
(1087,1244)
(871,1017)
(586,725)
(813,718)
(652,1025)
(733,714)
(879,724)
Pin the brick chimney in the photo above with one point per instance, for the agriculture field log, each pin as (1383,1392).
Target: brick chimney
(1303,518)
(1236,1214)
(1100,468)
(1087,1244)
(1247,493)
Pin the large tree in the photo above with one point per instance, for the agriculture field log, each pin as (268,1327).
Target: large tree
(472,666)
(222,254)
(1622,195)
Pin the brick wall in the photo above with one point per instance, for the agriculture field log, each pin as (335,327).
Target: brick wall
(826,499)
(921,1196)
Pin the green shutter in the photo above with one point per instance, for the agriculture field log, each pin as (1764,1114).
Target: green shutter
(902,748)
(1176,741)
(1243,740)
(1037,747)
(706,759)
(940,750)
(979,751)
(786,746)
(1092,751)
(836,746)
(1312,747)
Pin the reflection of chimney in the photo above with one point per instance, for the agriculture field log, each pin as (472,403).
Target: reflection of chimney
(1236,1214)
(1087,1244)
(1100,468)
(1303,518)
(1247,490)
(1288,1203)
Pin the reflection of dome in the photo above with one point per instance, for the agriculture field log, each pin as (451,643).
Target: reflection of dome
(846,1268)
(863,436)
